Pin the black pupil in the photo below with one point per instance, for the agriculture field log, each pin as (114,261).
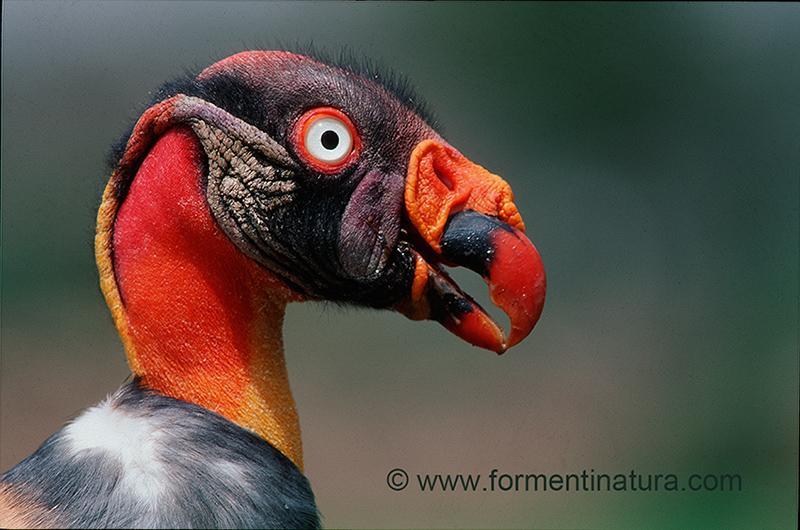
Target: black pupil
(330,140)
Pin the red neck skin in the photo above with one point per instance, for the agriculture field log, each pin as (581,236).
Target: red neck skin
(204,319)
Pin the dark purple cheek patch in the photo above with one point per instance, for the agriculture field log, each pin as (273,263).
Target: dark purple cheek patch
(371,224)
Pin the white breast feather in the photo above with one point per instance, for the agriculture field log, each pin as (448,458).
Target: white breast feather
(132,439)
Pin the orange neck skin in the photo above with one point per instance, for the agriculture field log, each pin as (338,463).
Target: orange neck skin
(201,321)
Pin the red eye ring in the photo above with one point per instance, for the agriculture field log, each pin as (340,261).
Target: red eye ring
(305,132)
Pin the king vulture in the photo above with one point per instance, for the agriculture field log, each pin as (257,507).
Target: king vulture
(268,178)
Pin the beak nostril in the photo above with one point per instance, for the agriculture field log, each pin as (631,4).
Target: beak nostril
(441,182)
(442,174)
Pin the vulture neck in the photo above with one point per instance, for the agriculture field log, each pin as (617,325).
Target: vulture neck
(200,321)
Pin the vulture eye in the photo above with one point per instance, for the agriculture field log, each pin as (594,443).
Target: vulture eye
(326,139)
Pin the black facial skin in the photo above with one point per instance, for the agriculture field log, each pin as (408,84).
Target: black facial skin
(340,238)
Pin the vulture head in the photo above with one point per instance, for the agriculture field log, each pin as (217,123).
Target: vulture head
(272,177)
(268,178)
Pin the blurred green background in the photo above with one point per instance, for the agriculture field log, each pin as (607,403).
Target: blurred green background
(655,153)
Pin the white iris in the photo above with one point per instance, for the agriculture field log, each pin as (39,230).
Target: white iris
(329,140)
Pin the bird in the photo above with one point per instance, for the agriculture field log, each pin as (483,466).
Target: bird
(268,178)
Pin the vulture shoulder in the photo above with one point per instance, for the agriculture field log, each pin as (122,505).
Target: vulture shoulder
(139,459)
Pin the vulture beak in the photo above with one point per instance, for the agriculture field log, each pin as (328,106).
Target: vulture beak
(464,215)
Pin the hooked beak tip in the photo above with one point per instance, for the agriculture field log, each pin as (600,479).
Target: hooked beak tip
(511,267)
